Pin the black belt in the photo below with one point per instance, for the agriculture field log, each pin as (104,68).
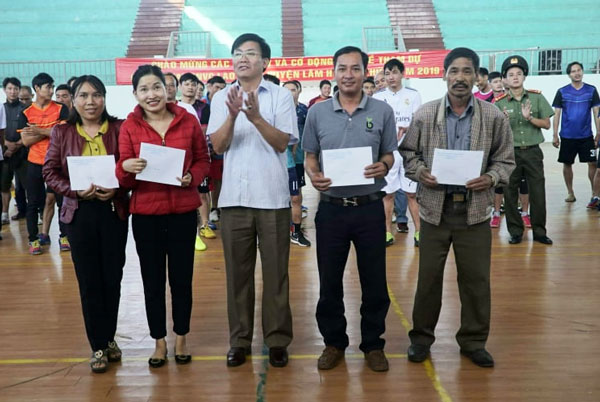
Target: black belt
(527,147)
(353,201)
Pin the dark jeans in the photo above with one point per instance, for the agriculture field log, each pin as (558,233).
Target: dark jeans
(98,237)
(158,239)
(36,198)
(400,206)
(472,246)
(20,196)
(337,227)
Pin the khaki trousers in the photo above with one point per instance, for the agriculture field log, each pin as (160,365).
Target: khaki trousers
(240,228)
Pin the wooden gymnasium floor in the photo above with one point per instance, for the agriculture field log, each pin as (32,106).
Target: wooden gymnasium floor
(544,337)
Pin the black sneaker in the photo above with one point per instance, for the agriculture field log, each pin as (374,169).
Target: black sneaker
(299,239)
(402,227)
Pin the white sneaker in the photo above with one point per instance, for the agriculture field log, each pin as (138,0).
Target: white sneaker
(4,218)
(214,216)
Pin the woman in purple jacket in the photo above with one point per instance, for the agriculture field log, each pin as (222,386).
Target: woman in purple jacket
(96,218)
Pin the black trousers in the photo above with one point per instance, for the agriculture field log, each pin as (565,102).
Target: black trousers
(36,198)
(98,237)
(337,227)
(158,239)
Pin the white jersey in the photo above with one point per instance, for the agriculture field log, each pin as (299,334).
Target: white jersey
(405,103)
(190,109)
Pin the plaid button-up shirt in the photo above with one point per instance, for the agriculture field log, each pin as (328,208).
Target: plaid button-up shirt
(490,133)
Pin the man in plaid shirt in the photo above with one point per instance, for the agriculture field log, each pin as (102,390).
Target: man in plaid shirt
(456,215)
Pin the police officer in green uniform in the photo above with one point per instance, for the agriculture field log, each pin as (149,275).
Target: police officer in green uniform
(528,112)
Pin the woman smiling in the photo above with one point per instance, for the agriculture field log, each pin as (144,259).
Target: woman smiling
(164,216)
(96,218)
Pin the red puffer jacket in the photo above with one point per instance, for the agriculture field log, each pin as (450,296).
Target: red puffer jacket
(66,141)
(183,133)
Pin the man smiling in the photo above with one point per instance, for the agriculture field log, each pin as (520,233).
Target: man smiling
(252,123)
(351,214)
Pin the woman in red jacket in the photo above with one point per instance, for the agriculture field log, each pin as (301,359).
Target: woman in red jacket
(164,216)
(96,218)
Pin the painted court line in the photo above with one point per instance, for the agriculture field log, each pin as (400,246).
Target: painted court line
(429,369)
(357,356)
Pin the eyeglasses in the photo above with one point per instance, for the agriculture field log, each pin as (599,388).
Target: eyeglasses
(250,54)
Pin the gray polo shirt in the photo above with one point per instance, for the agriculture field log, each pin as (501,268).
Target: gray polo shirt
(329,126)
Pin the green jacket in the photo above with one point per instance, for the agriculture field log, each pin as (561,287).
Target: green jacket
(524,133)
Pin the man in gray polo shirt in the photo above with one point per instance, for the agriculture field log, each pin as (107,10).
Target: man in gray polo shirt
(351,213)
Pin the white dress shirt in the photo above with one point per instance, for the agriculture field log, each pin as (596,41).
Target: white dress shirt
(255,174)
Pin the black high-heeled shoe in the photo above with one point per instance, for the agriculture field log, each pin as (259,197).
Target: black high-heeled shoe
(182,359)
(156,362)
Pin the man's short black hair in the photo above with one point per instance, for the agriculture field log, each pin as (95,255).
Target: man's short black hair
(41,79)
(71,80)
(63,87)
(391,63)
(369,80)
(484,71)
(461,52)
(216,80)
(143,70)
(272,78)
(493,75)
(27,88)
(174,77)
(294,83)
(351,49)
(265,49)
(11,80)
(324,82)
(298,84)
(572,64)
(201,83)
(188,77)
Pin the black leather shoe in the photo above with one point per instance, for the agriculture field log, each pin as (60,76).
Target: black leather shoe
(543,239)
(183,359)
(278,356)
(516,239)
(480,357)
(237,356)
(417,353)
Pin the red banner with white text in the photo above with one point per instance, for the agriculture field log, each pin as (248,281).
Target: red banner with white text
(426,64)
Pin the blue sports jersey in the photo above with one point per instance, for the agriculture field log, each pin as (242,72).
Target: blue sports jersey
(576,105)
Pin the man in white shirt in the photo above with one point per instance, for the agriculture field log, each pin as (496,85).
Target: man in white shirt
(252,123)
(405,102)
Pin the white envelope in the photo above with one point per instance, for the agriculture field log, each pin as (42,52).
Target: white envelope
(346,166)
(164,164)
(85,170)
(456,167)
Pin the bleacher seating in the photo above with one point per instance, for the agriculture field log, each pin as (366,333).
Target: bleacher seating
(517,24)
(326,29)
(66,30)
(234,17)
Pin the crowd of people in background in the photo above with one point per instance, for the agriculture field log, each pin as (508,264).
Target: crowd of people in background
(248,147)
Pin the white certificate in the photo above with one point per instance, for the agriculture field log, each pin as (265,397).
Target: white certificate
(164,164)
(456,167)
(346,166)
(85,170)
